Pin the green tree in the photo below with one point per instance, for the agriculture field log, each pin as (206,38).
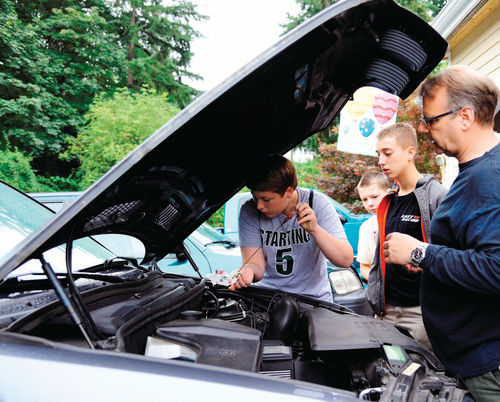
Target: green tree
(157,38)
(26,106)
(53,62)
(116,126)
(85,56)
(56,55)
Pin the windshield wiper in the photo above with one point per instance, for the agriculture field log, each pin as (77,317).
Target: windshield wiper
(87,275)
(230,243)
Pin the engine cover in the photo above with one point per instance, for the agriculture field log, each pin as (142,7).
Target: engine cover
(217,342)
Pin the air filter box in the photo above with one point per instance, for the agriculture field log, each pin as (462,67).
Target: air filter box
(217,342)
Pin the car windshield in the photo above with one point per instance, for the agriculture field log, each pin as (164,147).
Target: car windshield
(20,216)
(207,236)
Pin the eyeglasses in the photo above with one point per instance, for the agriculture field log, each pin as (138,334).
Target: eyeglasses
(428,120)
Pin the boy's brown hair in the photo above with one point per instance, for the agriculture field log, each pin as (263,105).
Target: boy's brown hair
(404,134)
(373,177)
(273,173)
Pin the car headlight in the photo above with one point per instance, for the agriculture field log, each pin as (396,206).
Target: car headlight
(344,281)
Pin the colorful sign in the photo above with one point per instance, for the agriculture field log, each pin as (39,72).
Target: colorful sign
(362,118)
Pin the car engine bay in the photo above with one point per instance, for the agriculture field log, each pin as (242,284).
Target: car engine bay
(257,330)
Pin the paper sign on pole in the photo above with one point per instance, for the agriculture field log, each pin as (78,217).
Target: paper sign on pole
(363,117)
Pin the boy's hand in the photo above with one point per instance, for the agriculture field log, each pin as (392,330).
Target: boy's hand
(245,278)
(306,217)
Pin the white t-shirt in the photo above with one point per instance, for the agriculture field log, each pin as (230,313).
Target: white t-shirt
(368,233)
(294,263)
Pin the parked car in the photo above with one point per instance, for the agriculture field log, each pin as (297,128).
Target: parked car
(206,246)
(350,221)
(208,250)
(77,322)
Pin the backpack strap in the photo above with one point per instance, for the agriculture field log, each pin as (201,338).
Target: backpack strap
(311,194)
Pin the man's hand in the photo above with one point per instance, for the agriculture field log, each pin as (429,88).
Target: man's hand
(306,217)
(397,249)
(244,279)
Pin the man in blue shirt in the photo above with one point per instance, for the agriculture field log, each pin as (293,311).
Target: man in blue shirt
(460,290)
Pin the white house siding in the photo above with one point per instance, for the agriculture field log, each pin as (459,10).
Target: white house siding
(480,49)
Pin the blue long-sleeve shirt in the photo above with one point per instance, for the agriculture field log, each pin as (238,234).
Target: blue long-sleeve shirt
(461,282)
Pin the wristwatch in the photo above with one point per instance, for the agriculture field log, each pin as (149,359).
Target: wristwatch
(418,254)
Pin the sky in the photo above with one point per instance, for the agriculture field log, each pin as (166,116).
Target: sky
(237,31)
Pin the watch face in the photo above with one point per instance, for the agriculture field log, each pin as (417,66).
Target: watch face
(417,255)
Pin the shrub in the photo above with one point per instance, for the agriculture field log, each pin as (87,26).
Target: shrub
(307,172)
(15,170)
(58,183)
(340,174)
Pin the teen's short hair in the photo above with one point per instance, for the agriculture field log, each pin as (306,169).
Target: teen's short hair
(465,87)
(404,134)
(374,177)
(272,173)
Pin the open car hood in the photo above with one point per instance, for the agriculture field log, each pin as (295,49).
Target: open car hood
(186,170)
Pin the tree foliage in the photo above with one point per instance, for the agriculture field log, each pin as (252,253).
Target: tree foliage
(57,55)
(158,42)
(53,63)
(116,126)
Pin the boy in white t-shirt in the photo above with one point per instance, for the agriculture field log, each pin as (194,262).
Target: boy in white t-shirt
(287,232)
(372,187)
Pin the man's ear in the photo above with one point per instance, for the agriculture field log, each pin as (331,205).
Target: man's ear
(467,117)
